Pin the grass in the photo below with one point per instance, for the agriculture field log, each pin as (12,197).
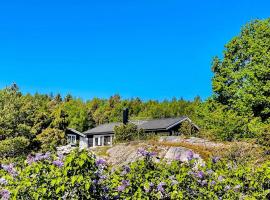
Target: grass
(101,151)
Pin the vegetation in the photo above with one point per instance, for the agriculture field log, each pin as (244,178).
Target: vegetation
(241,79)
(128,132)
(81,176)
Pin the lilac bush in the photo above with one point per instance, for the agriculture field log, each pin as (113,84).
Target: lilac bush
(80,175)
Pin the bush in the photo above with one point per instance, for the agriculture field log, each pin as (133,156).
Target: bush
(50,138)
(127,132)
(187,129)
(13,146)
(78,176)
(81,176)
(264,138)
(225,124)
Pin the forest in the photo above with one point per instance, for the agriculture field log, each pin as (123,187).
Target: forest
(238,110)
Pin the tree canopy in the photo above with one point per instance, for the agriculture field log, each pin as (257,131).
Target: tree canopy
(242,77)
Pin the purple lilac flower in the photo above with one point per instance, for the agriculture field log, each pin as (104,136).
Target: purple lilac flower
(151,184)
(10,169)
(121,188)
(5,194)
(237,187)
(190,155)
(227,187)
(215,159)
(200,174)
(3,181)
(220,178)
(160,186)
(60,156)
(58,163)
(100,161)
(105,189)
(146,189)
(30,159)
(103,177)
(142,151)
(38,157)
(152,154)
(213,182)
(190,173)
(47,155)
(204,182)
(125,182)
(210,171)
(174,182)
(126,169)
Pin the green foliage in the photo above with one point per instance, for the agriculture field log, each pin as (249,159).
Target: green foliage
(13,146)
(48,177)
(182,180)
(241,78)
(226,124)
(81,176)
(264,138)
(50,138)
(187,129)
(127,132)
(59,119)
(31,116)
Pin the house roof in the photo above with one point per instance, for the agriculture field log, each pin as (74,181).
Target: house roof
(147,125)
(77,132)
(104,128)
(161,124)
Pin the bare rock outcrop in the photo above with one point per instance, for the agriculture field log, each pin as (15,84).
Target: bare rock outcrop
(191,140)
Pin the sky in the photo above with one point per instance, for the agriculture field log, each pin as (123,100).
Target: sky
(142,48)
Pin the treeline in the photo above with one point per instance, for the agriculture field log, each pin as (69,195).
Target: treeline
(33,122)
(30,122)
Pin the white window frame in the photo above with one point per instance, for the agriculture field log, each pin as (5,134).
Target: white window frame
(72,139)
(100,140)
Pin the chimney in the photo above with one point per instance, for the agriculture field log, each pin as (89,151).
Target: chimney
(125,115)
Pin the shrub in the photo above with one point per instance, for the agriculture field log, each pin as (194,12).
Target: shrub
(50,138)
(225,124)
(264,138)
(127,132)
(13,146)
(81,176)
(78,176)
(187,129)
(216,179)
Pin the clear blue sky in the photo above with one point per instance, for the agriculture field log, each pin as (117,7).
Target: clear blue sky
(150,49)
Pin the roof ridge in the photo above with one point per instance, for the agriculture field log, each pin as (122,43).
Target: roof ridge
(168,118)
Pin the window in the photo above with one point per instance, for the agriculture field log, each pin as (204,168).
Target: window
(90,142)
(71,139)
(97,141)
(107,140)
